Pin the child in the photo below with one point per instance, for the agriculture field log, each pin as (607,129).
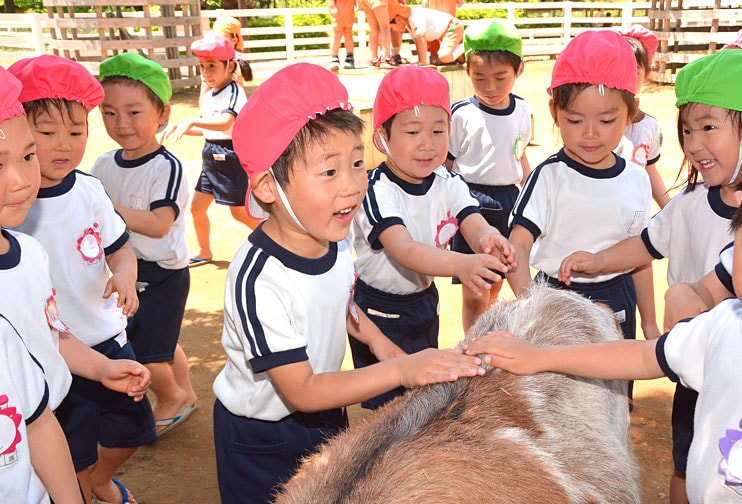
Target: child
(428,25)
(413,207)
(343,16)
(231,29)
(585,197)
(644,131)
(148,188)
(288,298)
(86,240)
(221,180)
(695,224)
(489,134)
(378,14)
(447,6)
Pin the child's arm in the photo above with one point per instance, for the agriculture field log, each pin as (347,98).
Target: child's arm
(486,239)
(644,282)
(625,255)
(615,360)
(123,266)
(51,459)
(526,166)
(472,269)
(153,223)
(519,276)
(195,125)
(421,46)
(659,191)
(310,392)
(365,331)
(122,375)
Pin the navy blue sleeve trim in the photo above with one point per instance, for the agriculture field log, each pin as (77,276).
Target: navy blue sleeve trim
(466,212)
(229,111)
(381,226)
(530,226)
(724,277)
(654,160)
(450,157)
(659,351)
(165,203)
(115,246)
(260,364)
(653,251)
(42,406)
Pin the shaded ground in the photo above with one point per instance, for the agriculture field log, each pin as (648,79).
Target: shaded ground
(180,467)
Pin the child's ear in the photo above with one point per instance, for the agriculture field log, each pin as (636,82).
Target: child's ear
(552,109)
(520,70)
(264,187)
(738,197)
(380,142)
(165,115)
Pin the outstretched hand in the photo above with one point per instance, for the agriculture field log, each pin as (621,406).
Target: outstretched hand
(435,366)
(583,262)
(506,351)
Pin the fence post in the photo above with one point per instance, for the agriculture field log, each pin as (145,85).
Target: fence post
(566,23)
(288,22)
(37,33)
(627,13)
(511,12)
(361,55)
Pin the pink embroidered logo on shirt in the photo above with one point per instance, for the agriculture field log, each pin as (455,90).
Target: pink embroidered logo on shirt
(447,228)
(10,420)
(52,314)
(641,155)
(89,244)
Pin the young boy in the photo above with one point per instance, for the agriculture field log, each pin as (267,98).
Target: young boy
(343,16)
(429,25)
(86,240)
(489,135)
(413,207)
(288,300)
(149,189)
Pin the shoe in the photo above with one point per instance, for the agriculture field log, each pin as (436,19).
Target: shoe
(397,60)
(375,62)
(171,423)
(124,495)
(334,64)
(386,63)
(198,261)
(349,63)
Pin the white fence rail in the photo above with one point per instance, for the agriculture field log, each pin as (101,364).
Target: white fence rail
(545,27)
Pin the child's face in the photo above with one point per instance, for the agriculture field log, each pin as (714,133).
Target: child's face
(592,126)
(417,145)
(131,119)
(19,171)
(326,187)
(492,82)
(60,142)
(711,142)
(216,74)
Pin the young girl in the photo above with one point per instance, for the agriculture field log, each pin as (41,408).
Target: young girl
(231,29)
(222,179)
(644,131)
(694,225)
(585,197)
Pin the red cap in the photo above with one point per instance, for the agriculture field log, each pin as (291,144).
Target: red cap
(646,37)
(10,106)
(596,57)
(213,47)
(57,78)
(407,87)
(277,110)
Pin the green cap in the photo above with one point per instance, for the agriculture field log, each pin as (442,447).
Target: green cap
(137,67)
(711,80)
(492,35)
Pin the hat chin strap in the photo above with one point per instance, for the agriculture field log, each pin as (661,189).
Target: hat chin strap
(739,165)
(285,201)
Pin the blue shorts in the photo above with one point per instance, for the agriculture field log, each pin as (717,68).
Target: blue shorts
(222,175)
(409,320)
(254,457)
(92,414)
(495,204)
(155,328)
(683,412)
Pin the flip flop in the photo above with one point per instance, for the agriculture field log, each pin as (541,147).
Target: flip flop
(197,261)
(124,495)
(171,423)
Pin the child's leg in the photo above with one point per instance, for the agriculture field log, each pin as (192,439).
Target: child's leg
(337,33)
(239,214)
(348,38)
(473,306)
(101,473)
(385,33)
(199,205)
(170,397)
(183,376)
(373,36)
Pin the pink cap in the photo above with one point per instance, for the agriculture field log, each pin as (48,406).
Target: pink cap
(57,78)
(213,47)
(737,43)
(10,105)
(646,37)
(275,113)
(596,57)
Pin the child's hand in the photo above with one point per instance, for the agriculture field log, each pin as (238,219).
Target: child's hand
(506,351)
(435,366)
(497,245)
(477,271)
(580,262)
(126,376)
(128,300)
(175,131)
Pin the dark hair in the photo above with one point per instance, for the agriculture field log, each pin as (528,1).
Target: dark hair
(491,57)
(686,167)
(36,108)
(245,70)
(128,81)
(641,55)
(313,132)
(564,95)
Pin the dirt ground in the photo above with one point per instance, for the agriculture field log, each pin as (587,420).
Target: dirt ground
(180,467)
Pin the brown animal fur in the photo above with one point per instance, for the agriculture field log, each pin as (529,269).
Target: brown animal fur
(500,438)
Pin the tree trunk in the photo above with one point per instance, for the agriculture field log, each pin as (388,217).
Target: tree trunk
(9,7)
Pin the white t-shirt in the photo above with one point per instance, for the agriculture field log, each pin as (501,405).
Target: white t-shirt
(429,23)
(646,141)
(230,99)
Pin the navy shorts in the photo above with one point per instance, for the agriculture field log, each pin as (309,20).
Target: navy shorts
(683,412)
(409,320)
(254,457)
(222,175)
(618,293)
(155,328)
(92,414)
(495,204)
